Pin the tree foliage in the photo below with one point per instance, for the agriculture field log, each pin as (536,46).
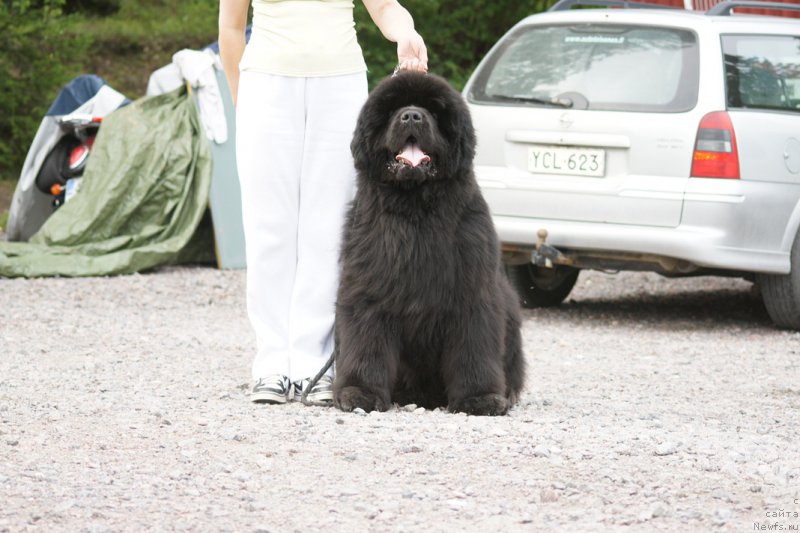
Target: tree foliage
(38,57)
(93,7)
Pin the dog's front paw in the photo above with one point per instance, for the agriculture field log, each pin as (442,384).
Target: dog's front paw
(350,398)
(484,405)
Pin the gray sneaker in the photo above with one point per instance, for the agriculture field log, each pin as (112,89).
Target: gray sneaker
(272,389)
(321,393)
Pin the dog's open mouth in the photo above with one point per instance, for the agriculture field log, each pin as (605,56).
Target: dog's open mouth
(412,154)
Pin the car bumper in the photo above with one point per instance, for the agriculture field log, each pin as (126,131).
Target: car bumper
(698,246)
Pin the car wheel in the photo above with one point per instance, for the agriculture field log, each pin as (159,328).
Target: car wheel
(542,287)
(781,293)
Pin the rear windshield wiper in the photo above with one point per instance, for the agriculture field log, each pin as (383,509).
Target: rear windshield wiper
(556,102)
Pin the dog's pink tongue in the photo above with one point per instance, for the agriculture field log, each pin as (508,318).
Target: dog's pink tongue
(412,155)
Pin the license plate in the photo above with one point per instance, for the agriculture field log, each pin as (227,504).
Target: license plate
(565,160)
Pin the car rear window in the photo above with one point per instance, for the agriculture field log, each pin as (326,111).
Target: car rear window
(603,67)
(762,72)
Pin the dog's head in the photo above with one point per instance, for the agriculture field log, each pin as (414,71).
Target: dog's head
(413,128)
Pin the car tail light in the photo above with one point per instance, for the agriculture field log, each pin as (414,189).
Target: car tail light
(715,152)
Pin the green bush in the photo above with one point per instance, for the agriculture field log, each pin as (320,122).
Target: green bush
(38,56)
(94,7)
(457,34)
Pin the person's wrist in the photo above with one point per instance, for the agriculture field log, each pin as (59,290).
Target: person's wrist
(409,37)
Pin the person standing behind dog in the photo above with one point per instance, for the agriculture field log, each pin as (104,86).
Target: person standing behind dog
(298,86)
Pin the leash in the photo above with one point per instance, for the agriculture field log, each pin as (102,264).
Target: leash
(328,364)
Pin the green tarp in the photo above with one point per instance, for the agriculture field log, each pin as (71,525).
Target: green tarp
(141,202)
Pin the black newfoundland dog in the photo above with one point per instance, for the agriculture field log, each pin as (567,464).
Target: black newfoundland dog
(424,313)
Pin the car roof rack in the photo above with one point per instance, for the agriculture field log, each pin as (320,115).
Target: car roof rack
(725,8)
(565,5)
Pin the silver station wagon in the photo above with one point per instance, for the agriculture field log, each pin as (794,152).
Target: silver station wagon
(644,139)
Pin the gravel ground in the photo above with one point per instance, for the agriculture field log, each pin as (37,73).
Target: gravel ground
(652,404)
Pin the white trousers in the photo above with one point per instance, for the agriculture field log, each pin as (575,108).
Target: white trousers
(297,178)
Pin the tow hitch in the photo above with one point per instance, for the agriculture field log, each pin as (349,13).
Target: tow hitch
(545,255)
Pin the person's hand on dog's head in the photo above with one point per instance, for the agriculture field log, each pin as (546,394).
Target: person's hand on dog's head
(411,53)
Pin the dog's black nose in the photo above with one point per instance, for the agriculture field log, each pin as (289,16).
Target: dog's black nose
(411,115)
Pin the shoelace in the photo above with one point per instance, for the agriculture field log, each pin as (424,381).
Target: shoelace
(283,383)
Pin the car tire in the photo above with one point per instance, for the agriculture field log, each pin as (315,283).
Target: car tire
(781,293)
(541,287)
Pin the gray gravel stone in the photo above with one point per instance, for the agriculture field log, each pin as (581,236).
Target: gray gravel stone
(666,448)
(651,404)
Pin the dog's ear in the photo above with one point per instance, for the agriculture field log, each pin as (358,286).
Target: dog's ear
(368,126)
(455,122)
(365,144)
(371,125)
(466,134)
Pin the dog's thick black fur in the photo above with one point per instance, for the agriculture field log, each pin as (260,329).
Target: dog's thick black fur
(424,313)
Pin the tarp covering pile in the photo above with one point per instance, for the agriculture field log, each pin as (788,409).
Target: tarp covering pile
(142,199)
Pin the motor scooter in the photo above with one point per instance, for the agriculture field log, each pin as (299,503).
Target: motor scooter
(62,170)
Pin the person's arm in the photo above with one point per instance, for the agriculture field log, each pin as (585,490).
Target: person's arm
(232,25)
(396,24)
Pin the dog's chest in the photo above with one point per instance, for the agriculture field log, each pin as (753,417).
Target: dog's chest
(422,250)
(414,265)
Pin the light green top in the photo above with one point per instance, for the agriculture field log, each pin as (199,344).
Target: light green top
(305,38)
